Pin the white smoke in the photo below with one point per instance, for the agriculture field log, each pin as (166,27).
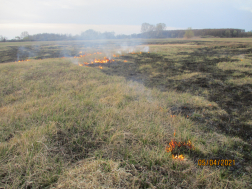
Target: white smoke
(139,87)
(130,49)
(145,49)
(24,53)
(74,60)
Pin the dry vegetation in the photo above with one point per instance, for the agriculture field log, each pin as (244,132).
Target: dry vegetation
(69,126)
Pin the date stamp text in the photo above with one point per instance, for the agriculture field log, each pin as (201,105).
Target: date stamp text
(216,162)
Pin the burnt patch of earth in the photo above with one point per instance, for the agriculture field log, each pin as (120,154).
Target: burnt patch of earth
(23,52)
(235,100)
(208,81)
(230,98)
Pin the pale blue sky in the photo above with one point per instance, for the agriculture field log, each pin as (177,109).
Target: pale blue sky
(120,16)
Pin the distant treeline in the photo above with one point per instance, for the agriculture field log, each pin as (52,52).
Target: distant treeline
(197,32)
(92,34)
(87,35)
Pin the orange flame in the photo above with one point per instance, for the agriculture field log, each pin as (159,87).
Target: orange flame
(23,60)
(173,144)
(104,60)
(125,61)
(179,157)
(100,67)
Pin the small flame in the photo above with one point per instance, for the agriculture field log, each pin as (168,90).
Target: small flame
(105,60)
(23,60)
(173,144)
(125,61)
(179,157)
(100,67)
(80,64)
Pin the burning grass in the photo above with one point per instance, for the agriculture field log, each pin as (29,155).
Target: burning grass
(176,148)
(95,60)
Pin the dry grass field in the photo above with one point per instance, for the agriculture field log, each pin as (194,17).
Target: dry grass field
(168,113)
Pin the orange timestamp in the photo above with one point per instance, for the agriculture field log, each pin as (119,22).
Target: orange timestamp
(214,162)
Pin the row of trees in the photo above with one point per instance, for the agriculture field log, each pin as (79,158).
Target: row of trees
(158,31)
(230,32)
(147,31)
(87,35)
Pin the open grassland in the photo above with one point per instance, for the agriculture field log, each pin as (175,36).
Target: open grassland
(69,126)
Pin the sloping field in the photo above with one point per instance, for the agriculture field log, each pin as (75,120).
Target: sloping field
(172,116)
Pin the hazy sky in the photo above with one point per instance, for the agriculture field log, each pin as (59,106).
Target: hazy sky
(120,16)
